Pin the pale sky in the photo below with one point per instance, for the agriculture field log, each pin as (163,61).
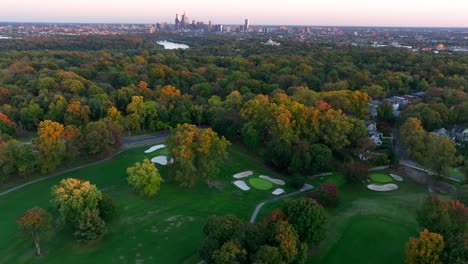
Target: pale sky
(447,13)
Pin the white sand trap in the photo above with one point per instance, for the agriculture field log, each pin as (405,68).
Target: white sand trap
(396,177)
(278,191)
(383,188)
(242,185)
(275,181)
(242,174)
(161,159)
(154,148)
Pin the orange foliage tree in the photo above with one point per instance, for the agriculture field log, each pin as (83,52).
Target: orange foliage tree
(50,145)
(424,249)
(35,223)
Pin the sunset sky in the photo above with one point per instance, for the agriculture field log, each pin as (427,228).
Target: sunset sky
(449,13)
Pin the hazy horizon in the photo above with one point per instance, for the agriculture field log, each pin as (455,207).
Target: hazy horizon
(397,13)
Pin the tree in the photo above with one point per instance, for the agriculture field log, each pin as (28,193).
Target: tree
(308,219)
(354,172)
(97,137)
(90,226)
(77,114)
(50,145)
(441,153)
(196,153)
(412,137)
(267,255)
(145,178)
(286,239)
(426,248)
(448,218)
(230,252)
(385,112)
(72,197)
(35,223)
(326,194)
(6,125)
(106,208)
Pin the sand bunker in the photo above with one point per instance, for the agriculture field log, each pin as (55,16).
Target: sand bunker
(396,177)
(242,185)
(278,191)
(161,159)
(275,181)
(154,148)
(242,174)
(383,188)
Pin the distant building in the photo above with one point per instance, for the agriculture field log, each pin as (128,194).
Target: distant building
(246,25)
(271,43)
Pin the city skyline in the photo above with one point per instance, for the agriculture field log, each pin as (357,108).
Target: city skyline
(399,13)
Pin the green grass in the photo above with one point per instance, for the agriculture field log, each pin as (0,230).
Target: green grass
(261,184)
(367,226)
(380,178)
(337,179)
(164,229)
(454,172)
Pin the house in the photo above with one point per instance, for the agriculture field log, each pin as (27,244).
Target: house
(271,43)
(373,133)
(373,105)
(460,133)
(442,132)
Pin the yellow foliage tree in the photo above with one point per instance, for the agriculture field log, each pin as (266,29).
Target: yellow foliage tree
(425,249)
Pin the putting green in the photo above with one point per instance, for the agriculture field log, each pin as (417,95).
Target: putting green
(380,178)
(261,184)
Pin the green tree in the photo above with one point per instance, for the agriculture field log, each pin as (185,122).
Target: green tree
(36,222)
(267,255)
(308,219)
(424,249)
(230,252)
(413,136)
(90,226)
(97,137)
(145,178)
(385,112)
(441,153)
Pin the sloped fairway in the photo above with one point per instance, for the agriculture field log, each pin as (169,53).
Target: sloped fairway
(164,229)
(368,239)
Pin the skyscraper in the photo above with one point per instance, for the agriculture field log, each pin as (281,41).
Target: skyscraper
(177,22)
(246,25)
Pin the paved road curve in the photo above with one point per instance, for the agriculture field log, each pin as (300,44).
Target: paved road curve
(306,187)
(128,143)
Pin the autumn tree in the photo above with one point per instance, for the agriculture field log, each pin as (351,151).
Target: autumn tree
(77,114)
(308,219)
(72,197)
(426,248)
(50,145)
(36,222)
(145,178)
(196,153)
(6,125)
(448,218)
(230,252)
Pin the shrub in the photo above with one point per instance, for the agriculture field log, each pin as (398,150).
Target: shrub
(90,226)
(326,194)
(354,172)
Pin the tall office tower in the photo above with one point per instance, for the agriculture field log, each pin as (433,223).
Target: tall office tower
(185,20)
(177,22)
(246,25)
(209,25)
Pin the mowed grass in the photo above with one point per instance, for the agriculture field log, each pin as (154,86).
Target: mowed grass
(259,183)
(380,178)
(163,229)
(367,226)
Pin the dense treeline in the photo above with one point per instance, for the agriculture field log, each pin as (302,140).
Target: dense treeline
(275,99)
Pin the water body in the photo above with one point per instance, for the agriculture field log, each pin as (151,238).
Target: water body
(171,45)
(4,37)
